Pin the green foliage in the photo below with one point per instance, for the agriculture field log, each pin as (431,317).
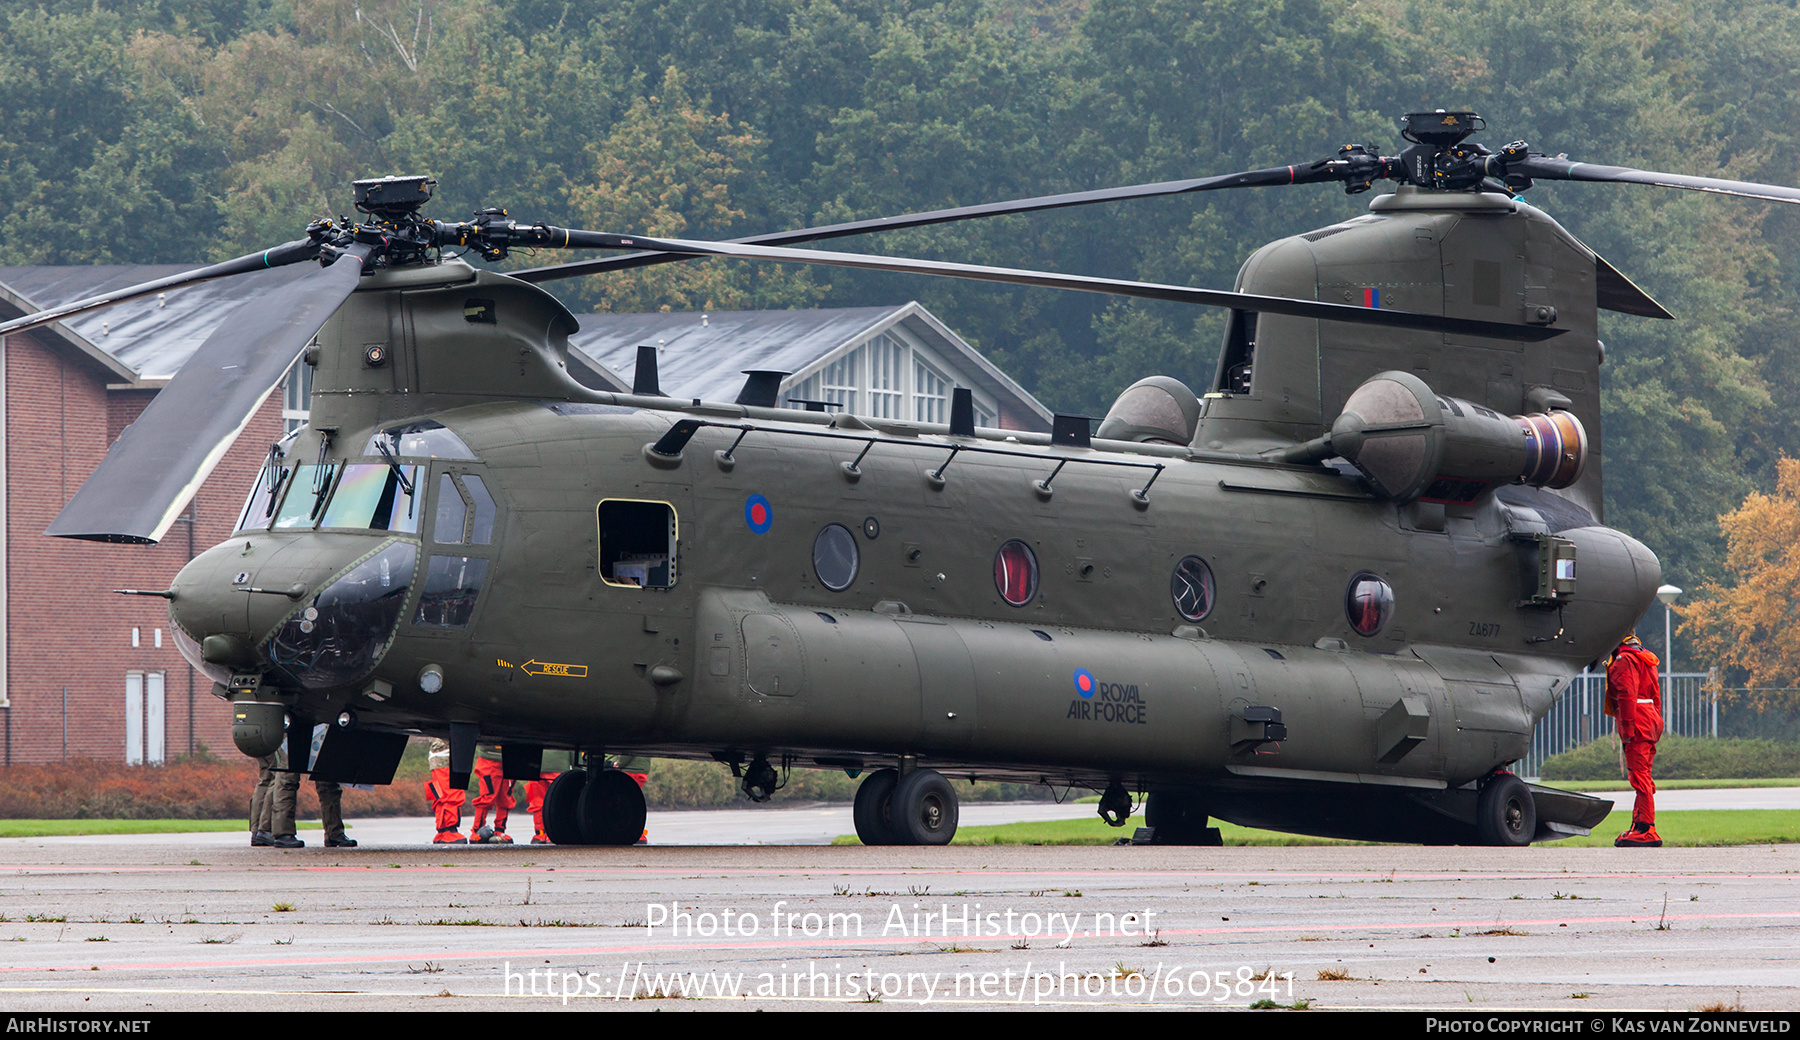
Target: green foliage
(1681,758)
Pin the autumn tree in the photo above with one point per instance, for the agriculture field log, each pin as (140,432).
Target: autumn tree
(1751,626)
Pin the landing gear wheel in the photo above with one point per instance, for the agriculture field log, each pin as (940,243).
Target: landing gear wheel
(611,809)
(924,809)
(1505,814)
(562,825)
(874,799)
(1179,818)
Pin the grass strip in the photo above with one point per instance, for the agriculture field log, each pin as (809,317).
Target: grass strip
(1671,785)
(66,828)
(1691,827)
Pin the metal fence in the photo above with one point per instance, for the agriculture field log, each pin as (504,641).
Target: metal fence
(1578,718)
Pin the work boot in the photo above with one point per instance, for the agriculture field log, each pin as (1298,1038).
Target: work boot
(287,841)
(540,838)
(449,836)
(340,843)
(261,839)
(1641,835)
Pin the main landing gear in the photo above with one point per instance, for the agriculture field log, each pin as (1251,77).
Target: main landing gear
(604,808)
(916,809)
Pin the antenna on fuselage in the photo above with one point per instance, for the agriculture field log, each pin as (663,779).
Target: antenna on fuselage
(643,381)
(762,389)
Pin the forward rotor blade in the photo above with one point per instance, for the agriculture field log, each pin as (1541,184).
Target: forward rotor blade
(287,253)
(1276,175)
(1542,167)
(157,464)
(1081,283)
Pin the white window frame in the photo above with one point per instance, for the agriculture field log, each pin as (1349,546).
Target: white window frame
(134,718)
(296,397)
(905,369)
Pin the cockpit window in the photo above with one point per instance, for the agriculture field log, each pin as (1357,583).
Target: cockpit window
(423,439)
(259,509)
(452,511)
(482,532)
(375,496)
(306,493)
(452,584)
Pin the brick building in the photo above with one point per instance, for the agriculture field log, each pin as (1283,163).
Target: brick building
(87,672)
(84,671)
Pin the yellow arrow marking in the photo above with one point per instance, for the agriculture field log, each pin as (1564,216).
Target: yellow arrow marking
(574,671)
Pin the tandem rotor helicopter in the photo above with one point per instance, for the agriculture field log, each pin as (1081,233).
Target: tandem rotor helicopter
(1330,592)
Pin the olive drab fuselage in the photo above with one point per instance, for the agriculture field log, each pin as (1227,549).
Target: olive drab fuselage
(694,604)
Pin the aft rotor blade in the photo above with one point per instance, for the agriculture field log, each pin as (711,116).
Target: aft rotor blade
(1544,168)
(157,464)
(1081,283)
(287,253)
(1273,176)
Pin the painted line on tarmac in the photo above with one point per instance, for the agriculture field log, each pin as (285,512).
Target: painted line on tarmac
(699,872)
(1358,930)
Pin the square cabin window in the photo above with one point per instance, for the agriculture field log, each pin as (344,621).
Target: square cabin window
(637,543)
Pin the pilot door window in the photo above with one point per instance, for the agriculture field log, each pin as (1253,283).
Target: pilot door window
(452,585)
(462,514)
(637,543)
(465,511)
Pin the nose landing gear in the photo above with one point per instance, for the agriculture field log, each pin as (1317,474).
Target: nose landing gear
(1505,813)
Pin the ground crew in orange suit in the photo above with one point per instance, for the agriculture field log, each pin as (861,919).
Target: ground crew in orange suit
(552,766)
(1634,699)
(446,804)
(495,794)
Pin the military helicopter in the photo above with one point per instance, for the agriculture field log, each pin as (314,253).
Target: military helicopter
(1331,592)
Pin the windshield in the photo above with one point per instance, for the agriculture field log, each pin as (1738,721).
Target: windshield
(260,506)
(306,493)
(376,496)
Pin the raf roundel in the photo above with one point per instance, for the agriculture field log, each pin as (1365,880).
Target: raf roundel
(1084,682)
(758,513)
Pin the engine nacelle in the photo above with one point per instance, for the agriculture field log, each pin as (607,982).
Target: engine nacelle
(1409,443)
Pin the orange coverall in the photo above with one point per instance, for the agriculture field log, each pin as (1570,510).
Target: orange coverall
(1634,699)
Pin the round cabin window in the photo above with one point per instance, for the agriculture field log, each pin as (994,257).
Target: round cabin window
(1016,573)
(1192,588)
(835,557)
(1369,603)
